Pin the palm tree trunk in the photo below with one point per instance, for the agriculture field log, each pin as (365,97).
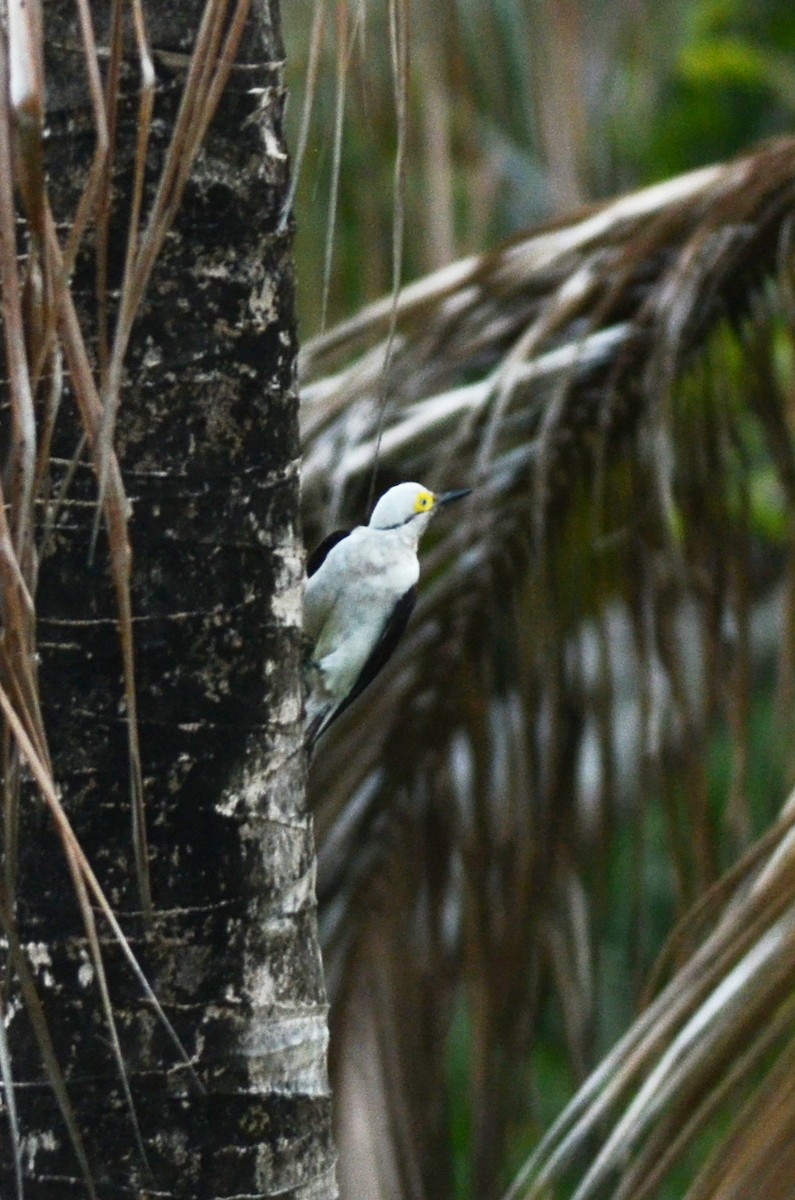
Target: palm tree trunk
(208,445)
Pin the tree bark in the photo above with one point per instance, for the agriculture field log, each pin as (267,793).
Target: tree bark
(208,444)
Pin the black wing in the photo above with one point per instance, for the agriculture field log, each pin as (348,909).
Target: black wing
(379,657)
(318,555)
(384,648)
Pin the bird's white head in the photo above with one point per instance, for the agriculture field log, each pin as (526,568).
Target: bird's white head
(410,505)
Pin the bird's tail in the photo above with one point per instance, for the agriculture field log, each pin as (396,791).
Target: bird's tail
(312,731)
(319,714)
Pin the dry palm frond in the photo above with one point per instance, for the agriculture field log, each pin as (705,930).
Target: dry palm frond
(614,388)
(723,1016)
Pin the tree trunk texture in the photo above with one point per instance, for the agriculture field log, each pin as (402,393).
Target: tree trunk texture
(208,444)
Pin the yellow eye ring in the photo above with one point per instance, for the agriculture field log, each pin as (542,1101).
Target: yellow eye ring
(424,502)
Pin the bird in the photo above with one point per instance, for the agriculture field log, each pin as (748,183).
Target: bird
(361,590)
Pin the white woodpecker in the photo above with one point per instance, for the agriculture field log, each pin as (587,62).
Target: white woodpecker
(361,589)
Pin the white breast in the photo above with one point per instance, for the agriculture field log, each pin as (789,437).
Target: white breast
(350,598)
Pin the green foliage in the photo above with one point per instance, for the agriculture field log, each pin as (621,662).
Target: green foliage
(730,81)
(517,110)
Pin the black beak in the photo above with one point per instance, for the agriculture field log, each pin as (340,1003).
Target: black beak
(449,497)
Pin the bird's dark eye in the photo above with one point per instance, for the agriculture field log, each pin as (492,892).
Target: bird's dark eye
(423,502)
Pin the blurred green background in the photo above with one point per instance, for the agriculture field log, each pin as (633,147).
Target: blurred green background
(517,111)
